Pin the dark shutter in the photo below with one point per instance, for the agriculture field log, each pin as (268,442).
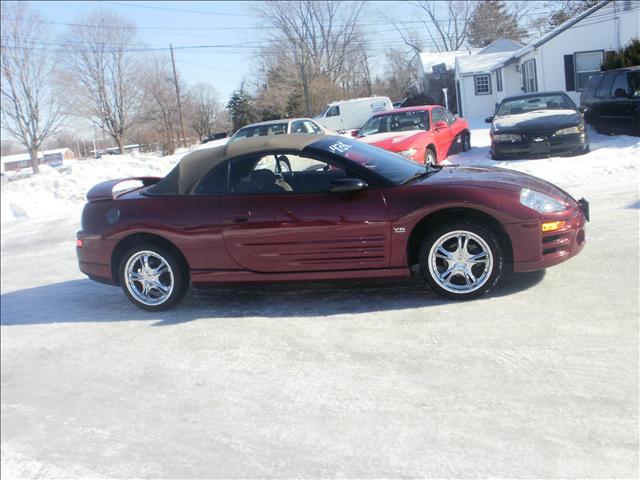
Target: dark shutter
(535,76)
(569,74)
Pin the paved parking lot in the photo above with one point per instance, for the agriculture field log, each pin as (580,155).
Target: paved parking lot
(323,380)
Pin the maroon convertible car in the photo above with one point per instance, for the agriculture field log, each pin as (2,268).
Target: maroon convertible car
(311,207)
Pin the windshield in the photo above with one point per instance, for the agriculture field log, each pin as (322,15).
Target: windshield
(389,165)
(551,101)
(261,130)
(396,122)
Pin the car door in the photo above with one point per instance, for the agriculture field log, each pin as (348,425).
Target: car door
(621,110)
(601,105)
(295,224)
(442,135)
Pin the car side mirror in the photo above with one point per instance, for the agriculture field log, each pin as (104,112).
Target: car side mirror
(439,125)
(620,93)
(347,185)
(582,109)
(489,119)
(354,133)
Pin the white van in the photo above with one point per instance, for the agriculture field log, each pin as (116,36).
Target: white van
(352,114)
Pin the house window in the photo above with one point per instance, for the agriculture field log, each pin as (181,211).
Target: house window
(587,63)
(483,84)
(529,80)
(499,80)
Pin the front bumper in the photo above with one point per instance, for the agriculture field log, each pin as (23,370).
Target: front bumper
(537,250)
(541,146)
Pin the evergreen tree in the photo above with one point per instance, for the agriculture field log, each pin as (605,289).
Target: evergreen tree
(491,21)
(241,108)
(627,57)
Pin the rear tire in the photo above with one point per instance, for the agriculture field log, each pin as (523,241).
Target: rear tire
(461,260)
(152,277)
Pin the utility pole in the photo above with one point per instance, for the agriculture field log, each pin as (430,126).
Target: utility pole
(175,80)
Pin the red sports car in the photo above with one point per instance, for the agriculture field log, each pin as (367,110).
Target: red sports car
(340,209)
(425,134)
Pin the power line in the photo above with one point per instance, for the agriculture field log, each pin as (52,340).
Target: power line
(199,12)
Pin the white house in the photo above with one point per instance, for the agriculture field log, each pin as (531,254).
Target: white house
(563,59)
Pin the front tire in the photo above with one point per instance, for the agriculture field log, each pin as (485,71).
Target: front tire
(152,278)
(465,141)
(461,260)
(430,157)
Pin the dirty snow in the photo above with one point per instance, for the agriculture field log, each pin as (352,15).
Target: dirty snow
(363,379)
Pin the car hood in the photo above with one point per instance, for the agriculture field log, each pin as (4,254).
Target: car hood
(539,122)
(492,177)
(394,141)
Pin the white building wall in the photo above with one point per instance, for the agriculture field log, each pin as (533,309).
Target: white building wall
(598,31)
(476,107)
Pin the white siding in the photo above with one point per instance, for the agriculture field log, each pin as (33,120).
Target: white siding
(598,31)
(476,107)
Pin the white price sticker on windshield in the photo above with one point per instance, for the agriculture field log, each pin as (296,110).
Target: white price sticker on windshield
(339,147)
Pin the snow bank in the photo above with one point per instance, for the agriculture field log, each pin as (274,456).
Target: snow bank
(53,193)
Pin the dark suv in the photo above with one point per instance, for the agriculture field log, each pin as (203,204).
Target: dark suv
(611,101)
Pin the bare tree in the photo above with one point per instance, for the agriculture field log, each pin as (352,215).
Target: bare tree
(103,66)
(320,36)
(204,111)
(160,111)
(445,22)
(30,108)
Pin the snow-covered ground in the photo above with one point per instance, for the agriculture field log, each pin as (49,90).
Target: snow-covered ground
(364,379)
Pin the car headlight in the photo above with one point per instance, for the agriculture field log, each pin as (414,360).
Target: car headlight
(570,130)
(507,137)
(408,153)
(540,202)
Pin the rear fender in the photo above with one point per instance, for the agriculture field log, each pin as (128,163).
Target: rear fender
(104,191)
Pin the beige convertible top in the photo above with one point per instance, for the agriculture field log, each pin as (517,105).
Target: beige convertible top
(184,177)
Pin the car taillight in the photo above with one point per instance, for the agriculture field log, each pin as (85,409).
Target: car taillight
(79,243)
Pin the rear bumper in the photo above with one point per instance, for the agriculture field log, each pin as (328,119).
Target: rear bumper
(537,250)
(91,259)
(541,147)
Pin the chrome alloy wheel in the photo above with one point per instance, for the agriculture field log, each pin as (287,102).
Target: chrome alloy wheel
(460,261)
(149,277)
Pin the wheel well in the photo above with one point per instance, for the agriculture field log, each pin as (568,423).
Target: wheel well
(137,238)
(452,214)
(431,147)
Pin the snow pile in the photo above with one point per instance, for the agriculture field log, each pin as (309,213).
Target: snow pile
(53,192)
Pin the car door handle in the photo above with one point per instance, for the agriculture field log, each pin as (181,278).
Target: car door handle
(240,219)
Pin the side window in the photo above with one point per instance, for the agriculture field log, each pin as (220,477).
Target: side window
(281,173)
(313,127)
(333,111)
(437,115)
(450,117)
(590,89)
(620,86)
(298,127)
(214,182)
(604,91)
(634,78)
